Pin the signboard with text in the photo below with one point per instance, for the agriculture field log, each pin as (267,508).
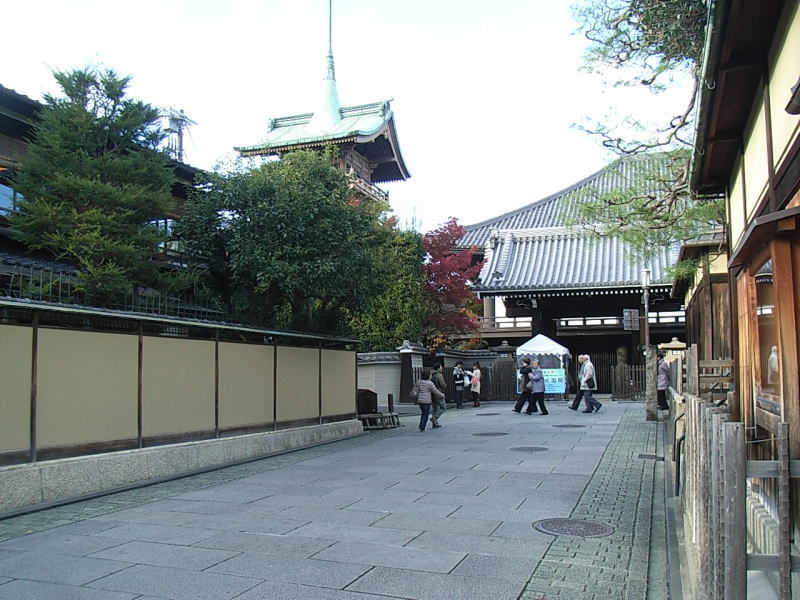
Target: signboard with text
(555,381)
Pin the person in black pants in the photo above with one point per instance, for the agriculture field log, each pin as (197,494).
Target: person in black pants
(579,394)
(527,385)
(537,388)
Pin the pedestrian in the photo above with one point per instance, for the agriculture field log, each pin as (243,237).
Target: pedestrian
(475,384)
(527,384)
(663,381)
(589,385)
(423,391)
(579,393)
(458,381)
(537,389)
(438,405)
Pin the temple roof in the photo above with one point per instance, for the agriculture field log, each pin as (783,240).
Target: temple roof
(557,209)
(534,248)
(565,259)
(362,124)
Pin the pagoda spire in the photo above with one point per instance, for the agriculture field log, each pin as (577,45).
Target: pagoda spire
(329,113)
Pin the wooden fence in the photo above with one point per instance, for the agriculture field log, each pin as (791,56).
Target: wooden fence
(730,504)
(628,382)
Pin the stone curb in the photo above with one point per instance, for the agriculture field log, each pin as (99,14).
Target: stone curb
(47,482)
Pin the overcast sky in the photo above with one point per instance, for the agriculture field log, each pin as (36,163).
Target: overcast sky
(484,93)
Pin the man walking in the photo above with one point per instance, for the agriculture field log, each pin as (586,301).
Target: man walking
(579,393)
(588,385)
(438,403)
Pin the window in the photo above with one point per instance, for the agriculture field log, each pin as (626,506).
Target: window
(8,198)
(766,353)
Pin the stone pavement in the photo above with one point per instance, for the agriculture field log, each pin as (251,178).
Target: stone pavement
(445,514)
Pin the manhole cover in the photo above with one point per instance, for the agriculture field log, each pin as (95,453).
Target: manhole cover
(490,433)
(573,527)
(569,426)
(485,414)
(651,457)
(530,449)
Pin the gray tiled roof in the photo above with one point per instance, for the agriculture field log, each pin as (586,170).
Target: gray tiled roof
(535,249)
(564,259)
(555,210)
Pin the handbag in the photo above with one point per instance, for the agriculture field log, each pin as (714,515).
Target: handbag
(590,383)
(475,381)
(414,392)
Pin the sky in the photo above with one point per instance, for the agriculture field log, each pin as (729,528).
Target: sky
(485,95)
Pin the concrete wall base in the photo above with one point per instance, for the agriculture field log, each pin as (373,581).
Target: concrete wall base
(47,482)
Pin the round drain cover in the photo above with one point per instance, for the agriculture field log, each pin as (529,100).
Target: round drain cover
(485,414)
(530,449)
(490,433)
(569,426)
(573,527)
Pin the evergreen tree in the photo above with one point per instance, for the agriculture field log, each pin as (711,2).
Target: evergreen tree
(397,310)
(285,243)
(92,180)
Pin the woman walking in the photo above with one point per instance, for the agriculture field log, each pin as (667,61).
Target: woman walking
(423,391)
(537,389)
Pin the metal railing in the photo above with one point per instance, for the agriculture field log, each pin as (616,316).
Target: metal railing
(28,282)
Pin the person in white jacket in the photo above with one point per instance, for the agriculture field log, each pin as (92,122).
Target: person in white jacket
(589,385)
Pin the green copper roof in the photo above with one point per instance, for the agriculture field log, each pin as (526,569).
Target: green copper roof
(361,123)
(368,125)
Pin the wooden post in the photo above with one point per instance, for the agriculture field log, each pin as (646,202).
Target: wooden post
(391,403)
(784,515)
(692,370)
(735,574)
(34,387)
(651,402)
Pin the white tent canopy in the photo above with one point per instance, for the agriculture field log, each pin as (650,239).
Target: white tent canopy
(541,344)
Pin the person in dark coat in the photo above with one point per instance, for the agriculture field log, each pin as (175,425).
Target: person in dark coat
(458,381)
(527,386)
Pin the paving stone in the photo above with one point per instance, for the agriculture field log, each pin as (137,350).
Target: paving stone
(392,556)
(57,568)
(478,544)
(421,523)
(330,515)
(508,568)
(35,590)
(399,583)
(176,584)
(357,533)
(299,547)
(246,523)
(290,591)
(54,542)
(165,534)
(320,573)
(165,555)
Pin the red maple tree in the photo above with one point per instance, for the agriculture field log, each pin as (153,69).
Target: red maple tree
(451,304)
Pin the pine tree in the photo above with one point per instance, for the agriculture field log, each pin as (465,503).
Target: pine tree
(93,179)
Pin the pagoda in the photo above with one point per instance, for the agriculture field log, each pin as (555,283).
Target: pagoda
(365,135)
